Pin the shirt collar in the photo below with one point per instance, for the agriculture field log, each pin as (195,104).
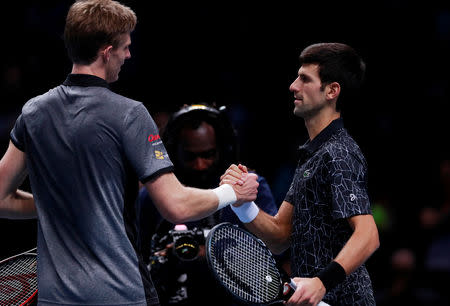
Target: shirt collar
(312,146)
(85,80)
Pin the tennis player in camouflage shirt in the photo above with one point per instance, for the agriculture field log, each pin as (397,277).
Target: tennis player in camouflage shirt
(326,217)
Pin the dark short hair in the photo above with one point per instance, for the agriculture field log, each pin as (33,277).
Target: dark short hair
(337,63)
(91,24)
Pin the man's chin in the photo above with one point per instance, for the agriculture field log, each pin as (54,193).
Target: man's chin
(112,80)
(305,114)
(112,77)
(299,113)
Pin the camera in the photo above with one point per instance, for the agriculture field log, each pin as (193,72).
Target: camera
(185,244)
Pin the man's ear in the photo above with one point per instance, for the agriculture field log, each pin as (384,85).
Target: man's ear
(333,90)
(106,53)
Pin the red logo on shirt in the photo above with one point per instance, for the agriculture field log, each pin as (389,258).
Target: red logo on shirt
(153,137)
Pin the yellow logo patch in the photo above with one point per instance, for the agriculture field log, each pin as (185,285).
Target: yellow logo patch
(159,155)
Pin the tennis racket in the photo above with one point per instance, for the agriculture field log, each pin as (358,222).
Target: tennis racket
(245,267)
(18,279)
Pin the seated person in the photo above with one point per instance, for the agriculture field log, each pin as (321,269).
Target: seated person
(201,143)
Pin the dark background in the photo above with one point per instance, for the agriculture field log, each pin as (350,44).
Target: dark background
(244,56)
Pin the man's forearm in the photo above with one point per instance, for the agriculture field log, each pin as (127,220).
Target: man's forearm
(179,204)
(18,205)
(275,231)
(361,245)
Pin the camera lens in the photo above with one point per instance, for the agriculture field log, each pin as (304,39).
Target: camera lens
(186,248)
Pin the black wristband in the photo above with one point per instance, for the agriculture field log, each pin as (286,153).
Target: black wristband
(332,275)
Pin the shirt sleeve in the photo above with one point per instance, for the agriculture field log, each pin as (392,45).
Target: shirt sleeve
(143,146)
(348,183)
(17,134)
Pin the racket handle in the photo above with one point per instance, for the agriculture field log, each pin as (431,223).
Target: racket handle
(289,289)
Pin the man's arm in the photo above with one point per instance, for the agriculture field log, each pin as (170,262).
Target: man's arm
(275,231)
(14,204)
(362,244)
(179,204)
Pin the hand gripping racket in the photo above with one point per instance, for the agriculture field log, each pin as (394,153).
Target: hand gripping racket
(245,267)
(18,279)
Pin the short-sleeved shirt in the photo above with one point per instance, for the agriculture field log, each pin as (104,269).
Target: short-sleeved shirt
(329,185)
(86,148)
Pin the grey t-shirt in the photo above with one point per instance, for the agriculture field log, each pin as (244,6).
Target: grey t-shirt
(86,148)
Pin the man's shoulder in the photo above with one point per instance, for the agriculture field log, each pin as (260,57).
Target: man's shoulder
(120,99)
(260,177)
(121,105)
(38,101)
(343,146)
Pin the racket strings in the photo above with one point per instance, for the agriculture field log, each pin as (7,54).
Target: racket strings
(245,267)
(18,280)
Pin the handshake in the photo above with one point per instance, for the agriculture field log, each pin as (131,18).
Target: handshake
(244,184)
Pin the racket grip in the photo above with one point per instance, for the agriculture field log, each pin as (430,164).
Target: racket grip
(289,289)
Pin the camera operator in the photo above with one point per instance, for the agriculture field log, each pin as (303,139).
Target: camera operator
(202,143)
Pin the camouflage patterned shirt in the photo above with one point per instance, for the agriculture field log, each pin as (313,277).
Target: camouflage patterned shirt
(329,186)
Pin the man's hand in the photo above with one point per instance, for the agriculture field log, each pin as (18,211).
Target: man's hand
(245,184)
(248,191)
(234,175)
(310,291)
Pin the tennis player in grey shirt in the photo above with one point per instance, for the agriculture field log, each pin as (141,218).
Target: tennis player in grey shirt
(85,148)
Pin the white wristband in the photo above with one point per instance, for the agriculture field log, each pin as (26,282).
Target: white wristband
(247,212)
(226,195)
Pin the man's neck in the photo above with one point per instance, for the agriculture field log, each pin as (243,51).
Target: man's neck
(316,124)
(92,69)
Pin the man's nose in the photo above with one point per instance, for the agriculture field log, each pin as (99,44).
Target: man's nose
(200,164)
(294,86)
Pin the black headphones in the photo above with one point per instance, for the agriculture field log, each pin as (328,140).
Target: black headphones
(217,117)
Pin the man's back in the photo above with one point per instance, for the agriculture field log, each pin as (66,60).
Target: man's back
(82,166)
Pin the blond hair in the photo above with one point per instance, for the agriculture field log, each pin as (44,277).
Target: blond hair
(92,24)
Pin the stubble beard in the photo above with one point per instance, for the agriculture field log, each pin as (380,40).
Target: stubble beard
(306,113)
(112,76)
